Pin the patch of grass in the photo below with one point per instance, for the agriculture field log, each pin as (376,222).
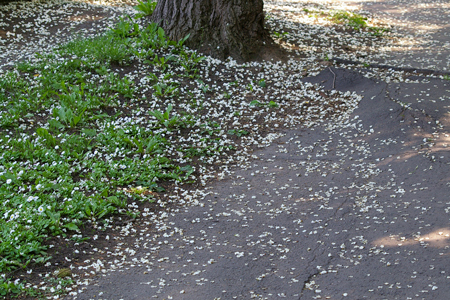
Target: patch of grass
(65,151)
(271,104)
(146,8)
(378,31)
(356,22)
(353,20)
(8,287)
(165,119)
(280,35)
(95,52)
(238,132)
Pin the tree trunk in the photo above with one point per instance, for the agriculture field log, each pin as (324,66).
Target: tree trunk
(220,28)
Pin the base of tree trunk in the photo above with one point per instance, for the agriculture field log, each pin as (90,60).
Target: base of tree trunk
(273,51)
(219,28)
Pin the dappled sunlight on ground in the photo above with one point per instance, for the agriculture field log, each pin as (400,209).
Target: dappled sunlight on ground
(413,28)
(439,238)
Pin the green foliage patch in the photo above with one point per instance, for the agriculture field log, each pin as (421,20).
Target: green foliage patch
(66,154)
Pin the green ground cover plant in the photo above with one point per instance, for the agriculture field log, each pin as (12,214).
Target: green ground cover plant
(146,8)
(350,20)
(356,22)
(66,150)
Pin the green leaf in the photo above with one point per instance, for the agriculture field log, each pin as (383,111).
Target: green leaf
(89,132)
(72,226)
(188,170)
(104,193)
(113,199)
(55,124)
(181,42)
(273,104)
(262,83)
(42,132)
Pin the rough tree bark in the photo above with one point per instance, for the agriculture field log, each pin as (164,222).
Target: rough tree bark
(220,28)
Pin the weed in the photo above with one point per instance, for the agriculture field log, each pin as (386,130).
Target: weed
(122,85)
(179,45)
(280,35)
(139,190)
(262,83)
(271,104)
(67,116)
(356,22)
(60,282)
(189,63)
(165,119)
(378,31)
(193,151)
(153,37)
(146,8)
(352,20)
(163,62)
(9,287)
(79,238)
(238,132)
(125,29)
(204,87)
(48,139)
(103,49)
(165,90)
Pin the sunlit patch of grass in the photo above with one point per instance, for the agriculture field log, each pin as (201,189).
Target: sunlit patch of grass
(353,20)
(146,8)
(356,22)
(97,51)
